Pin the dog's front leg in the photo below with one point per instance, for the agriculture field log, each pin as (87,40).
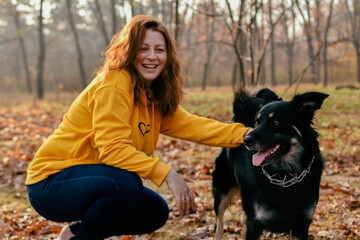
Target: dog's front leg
(253,230)
(221,204)
(300,232)
(219,225)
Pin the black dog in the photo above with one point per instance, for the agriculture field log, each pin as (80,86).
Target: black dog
(278,170)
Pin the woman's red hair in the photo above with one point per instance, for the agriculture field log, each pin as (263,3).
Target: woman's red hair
(122,52)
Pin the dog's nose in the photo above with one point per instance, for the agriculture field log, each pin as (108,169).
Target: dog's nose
(249,140)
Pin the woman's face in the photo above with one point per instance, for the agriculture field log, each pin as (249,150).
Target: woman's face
(151,56)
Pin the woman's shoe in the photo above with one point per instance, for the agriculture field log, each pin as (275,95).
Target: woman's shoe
(65,233)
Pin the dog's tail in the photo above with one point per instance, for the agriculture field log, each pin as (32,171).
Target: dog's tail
(267,95)
(245,108)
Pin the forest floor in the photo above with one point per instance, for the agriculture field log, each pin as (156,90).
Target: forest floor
(25,123)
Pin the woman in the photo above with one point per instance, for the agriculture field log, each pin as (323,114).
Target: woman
(89,170)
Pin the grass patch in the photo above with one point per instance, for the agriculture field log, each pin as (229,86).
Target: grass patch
(16,200)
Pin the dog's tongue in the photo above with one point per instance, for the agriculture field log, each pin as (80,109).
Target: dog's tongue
(259,157)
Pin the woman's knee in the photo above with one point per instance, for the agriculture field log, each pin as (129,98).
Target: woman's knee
(157,207)
(159,218)
(163,216)
(129,186)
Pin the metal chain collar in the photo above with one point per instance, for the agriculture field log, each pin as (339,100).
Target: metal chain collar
(294,178)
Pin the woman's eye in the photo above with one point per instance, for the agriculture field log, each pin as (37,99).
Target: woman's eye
(160,50)
(143,48)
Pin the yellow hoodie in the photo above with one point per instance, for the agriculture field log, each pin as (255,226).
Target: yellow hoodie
(103,125)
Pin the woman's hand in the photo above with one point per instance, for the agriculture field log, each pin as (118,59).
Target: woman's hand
(248,131)
(183,195)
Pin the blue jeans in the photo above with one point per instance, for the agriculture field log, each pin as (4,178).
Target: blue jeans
(105,201)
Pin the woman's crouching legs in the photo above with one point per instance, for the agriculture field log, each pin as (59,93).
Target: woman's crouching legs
(107,201)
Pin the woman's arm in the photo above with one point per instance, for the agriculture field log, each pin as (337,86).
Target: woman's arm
(202,130)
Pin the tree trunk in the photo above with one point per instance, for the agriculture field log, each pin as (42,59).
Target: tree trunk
(239,40)
(252,27)
(132,7)
(234,73)
(326,43)
(16,17)
(177,23)
(290,64)
(260,61)
(289,40)
(172,15)
(182,25)
(113,17)
(163,11)
(291,46)
(272,43)
(41,59)
(325,64)
(307,29)
(140,5)
(242,42)
(77,43)
(210,29)
(319,40)
(311,57)
(262,40)
(102,24)
(354,18)
(155,7)
(358,63)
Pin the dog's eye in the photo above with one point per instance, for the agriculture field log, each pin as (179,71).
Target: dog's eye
(276,122)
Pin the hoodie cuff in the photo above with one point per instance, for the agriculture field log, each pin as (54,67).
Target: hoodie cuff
(159,173)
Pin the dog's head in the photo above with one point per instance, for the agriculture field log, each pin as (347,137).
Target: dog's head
(281,132)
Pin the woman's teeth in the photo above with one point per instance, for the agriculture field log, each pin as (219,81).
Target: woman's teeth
(149,66)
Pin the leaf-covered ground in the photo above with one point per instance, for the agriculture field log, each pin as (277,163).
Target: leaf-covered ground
(25,124)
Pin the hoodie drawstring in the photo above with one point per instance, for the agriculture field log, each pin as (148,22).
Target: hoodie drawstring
(151,123)
(151,128)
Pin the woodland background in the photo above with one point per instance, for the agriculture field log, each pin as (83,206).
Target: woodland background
(50,50)
(52,46)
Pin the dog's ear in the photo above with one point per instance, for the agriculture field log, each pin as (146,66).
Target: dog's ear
(309,102)
(268,95)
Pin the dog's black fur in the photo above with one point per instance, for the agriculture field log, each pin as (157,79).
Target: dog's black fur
(286,128)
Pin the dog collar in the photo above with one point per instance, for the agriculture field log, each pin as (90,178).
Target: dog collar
(289,179)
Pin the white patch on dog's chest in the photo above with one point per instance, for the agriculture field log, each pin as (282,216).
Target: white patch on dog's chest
(309,213)
(262,214)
